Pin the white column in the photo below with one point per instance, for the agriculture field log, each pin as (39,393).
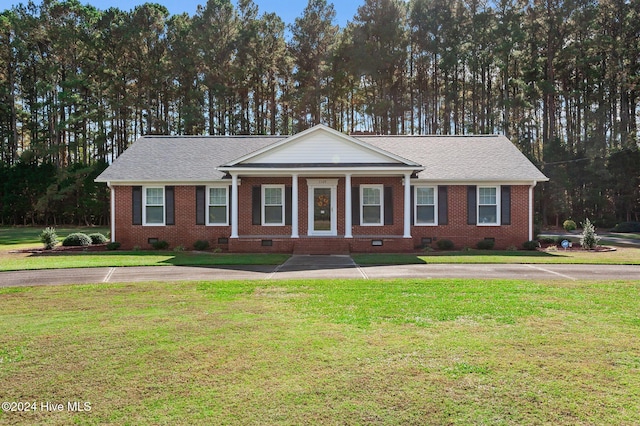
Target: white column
(407,205)
(295,212)
(234,206)
(113,211)
(531,210)
(347,207)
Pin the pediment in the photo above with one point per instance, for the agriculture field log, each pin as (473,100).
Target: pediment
(321,145)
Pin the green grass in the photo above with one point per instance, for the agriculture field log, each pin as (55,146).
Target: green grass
(622,256)
(15,238)
(324,352)
(627,235)
(20,237)
(23,261)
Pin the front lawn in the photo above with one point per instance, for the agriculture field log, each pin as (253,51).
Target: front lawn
(55,260)
(621,256)
(21,237)
(324,352)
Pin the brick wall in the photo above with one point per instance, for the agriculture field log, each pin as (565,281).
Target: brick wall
(464,235)
(185,231)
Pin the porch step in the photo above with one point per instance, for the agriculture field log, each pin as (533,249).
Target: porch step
(321,246)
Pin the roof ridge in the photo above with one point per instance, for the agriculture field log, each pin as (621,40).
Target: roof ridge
(430,135)
(211,136)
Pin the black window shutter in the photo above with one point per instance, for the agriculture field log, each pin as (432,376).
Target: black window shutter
(505,205)
(443,205)
(288,192)
(355,205)
(136,202)
(256,205)
(170,205)
(388,205)
(413,202)
(471,205)
(200,207)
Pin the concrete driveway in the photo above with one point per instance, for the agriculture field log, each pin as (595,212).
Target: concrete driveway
(312,267)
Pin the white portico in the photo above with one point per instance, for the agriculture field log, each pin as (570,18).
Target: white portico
(317,159)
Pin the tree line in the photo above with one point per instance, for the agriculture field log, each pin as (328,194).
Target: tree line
(561,79)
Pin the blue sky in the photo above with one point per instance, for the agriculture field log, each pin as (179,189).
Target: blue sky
(288,10)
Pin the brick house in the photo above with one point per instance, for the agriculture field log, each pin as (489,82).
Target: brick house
(321,191)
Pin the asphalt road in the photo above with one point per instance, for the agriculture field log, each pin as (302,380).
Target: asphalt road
(311,267)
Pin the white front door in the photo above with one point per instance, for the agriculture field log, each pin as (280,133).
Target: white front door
(322,206)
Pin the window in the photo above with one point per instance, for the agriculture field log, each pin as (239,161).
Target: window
(425,213)
(154,206)
(273,204)
(372,205)
(488,201)
(217,202)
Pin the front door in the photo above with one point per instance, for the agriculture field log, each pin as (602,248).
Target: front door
(322,209)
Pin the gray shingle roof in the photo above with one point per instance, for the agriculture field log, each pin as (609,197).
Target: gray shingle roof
(462,158)
(181,158)
(445,158)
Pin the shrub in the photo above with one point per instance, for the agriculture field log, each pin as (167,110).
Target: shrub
(113,246)
(76,239)
(178,248)
(485,244)
(49,238)
(201,245)
(512,248)
(569,225)
(530,245)
(627,227)
(97,238)
(445,244)
(589,239)
(160,245)
(547,240)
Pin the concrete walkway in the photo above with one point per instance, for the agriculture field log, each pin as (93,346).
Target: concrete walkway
(318,267)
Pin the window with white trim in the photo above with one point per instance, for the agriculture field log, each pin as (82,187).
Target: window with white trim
(217,205)
(153,206)
(425,205)
(371,205)
(273,205)
(488,205)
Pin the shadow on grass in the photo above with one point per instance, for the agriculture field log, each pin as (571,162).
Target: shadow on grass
(159,258)
(471,256)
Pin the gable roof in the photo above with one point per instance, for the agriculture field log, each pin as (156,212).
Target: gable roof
(195,159)
(321,145)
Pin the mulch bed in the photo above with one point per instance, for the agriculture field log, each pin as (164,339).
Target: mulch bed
(576,247)
(63,249)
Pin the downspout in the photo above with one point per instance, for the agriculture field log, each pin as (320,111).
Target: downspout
(531,209)
(113,212)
